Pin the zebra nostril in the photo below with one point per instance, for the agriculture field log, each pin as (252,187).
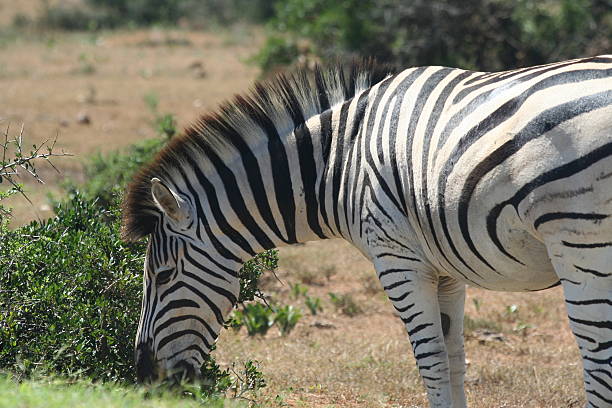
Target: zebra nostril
(146,371)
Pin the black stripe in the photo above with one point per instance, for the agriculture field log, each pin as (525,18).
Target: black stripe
(326,140)
(537,72)
(403,309)
(428,135)
(388,271)
(181,318)
(191,347)
(218,289)
(409,319)
(356,128)
(183,285)
(281,175)
(231,272)
(604,324)
(428,354)
(398,256)
(400,92)
(396,284)
(201,267)
(369,133)
(562,172)
(426,90)
(602,346)
(591,245)
(173,336)
(592,272)
(220,248)
(254,177)
(338,162)
(567,215)
(236,201)
(175,304)
(400,297)
(308,171)
(419,328)
(589,302)
(424,340)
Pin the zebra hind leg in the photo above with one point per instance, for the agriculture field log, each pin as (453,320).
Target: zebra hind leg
(451,298)
(585,271)
(414,295)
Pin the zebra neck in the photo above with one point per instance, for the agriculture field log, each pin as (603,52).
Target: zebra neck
(281,191)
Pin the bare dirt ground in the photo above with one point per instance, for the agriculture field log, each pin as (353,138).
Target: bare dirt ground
(88,90)
(520,350)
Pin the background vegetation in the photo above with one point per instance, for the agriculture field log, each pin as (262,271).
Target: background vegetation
(480,34)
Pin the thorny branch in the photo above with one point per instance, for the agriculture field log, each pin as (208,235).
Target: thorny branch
(15,157)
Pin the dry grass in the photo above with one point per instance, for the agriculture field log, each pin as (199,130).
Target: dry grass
(329,359)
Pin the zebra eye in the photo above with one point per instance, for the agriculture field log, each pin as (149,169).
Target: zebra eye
(163,277)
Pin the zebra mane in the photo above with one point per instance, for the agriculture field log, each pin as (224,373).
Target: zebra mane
(282,103)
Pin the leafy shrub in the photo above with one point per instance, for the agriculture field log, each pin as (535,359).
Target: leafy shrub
(313,304)
(480,34)
(345,304)
(298,290)
(252,270)
(70,294)
(286,318)
(257,318)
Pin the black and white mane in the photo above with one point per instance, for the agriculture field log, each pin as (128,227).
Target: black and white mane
(272,108)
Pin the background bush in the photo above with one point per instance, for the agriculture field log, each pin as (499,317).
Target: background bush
(99,14)
(479,34)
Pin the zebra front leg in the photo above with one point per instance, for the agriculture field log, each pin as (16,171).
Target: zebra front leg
(586,276)
(451,298)
(415,297)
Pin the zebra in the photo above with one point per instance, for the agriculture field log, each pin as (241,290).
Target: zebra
(442,177)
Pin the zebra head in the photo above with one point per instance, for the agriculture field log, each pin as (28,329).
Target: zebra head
(186,296)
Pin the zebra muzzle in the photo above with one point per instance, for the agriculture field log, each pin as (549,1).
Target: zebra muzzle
(146,366)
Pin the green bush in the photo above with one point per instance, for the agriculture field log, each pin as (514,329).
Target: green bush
(73,18)
(345,304)
(286,318)
(480,34)
(297,291)
(70,294)
(256,317)
(313,304)
(104,14)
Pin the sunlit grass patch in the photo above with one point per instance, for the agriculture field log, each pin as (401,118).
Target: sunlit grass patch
(50,392)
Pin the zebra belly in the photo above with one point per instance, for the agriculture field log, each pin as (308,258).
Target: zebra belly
(524,264)
(527,268)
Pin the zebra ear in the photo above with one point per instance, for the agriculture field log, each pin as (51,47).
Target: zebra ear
(170,203)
